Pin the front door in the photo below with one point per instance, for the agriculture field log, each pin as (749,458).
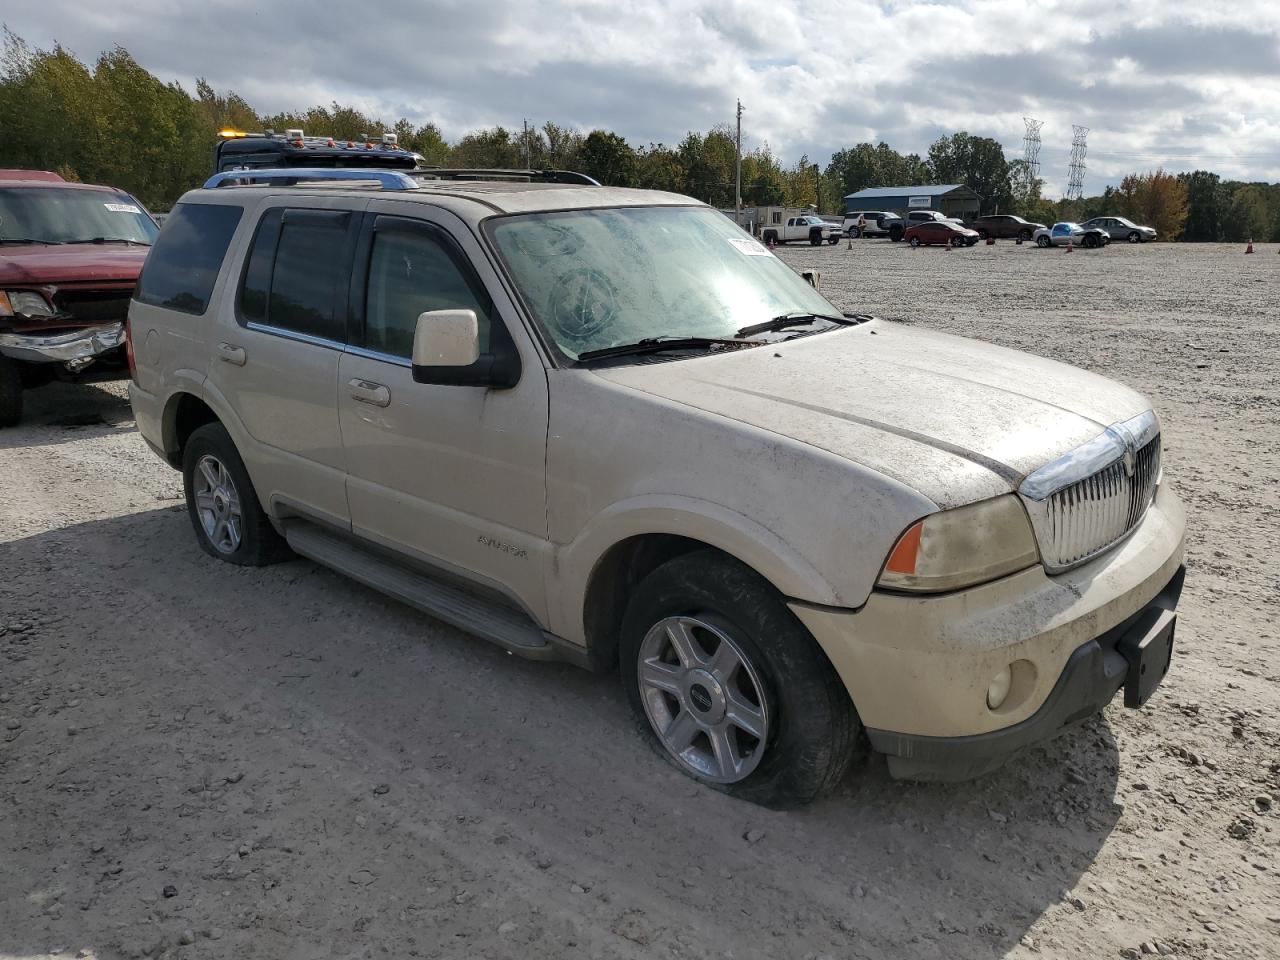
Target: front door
(451,475)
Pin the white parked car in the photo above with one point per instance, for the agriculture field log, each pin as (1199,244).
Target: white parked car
(602,426)
(1065,232)
(874,223)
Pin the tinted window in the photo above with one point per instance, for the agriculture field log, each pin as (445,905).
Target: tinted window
(296,276)
(183,265)
(412,271)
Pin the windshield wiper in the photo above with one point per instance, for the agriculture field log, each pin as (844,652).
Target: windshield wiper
(798,319)
(140,243)
(29,240)
(656,345)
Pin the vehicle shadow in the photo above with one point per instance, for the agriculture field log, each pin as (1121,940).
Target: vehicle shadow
(59,412)
(316,771)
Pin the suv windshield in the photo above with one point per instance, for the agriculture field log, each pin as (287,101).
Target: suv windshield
(599,278)
(68,215)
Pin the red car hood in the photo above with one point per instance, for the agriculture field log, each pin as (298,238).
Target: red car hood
(80,264)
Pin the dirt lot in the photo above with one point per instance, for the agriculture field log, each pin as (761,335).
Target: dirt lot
(203,761)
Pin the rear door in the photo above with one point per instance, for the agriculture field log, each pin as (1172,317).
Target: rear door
(276,348)
(453,476)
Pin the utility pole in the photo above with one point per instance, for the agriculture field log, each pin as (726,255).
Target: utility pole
(737,171)
(528,162)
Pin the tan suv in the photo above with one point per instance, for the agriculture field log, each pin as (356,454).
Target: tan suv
(606,426)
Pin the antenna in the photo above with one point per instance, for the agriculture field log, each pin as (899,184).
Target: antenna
(1031,147)
(1075,172)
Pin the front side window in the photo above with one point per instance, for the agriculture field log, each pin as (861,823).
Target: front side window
(183,266)
(598,278)
(73,215)
(412,271)
(294,277)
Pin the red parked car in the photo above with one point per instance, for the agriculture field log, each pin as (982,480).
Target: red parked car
(70,254)
(939,232)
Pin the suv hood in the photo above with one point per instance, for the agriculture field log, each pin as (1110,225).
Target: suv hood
(81,263)
(956,419)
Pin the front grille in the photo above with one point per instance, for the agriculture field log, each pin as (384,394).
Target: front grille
(1081,520)
(95,306)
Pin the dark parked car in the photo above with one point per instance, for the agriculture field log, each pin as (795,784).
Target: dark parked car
(940,232)
(1003,226)
(70,254)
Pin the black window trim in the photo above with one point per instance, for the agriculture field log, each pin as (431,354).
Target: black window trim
(357,296)
(346,254)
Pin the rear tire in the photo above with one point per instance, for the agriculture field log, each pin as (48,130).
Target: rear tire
(982,234)
(915,241)
(1042,242)
(229,522)
(10,392)
(770,237)
(709,648)
(1024,235)
(854,233)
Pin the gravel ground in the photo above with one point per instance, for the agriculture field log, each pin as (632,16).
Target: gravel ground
(198,760)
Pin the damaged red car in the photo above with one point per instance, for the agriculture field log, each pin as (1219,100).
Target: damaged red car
(70,255)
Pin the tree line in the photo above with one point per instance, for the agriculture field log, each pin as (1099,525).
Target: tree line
(114,122)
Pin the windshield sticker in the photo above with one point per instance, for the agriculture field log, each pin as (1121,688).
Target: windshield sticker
(749,248)
(122,208)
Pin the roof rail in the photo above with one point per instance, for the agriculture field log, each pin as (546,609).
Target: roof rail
(388,179)
(545,176)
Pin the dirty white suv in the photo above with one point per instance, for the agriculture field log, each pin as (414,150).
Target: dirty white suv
(603,426)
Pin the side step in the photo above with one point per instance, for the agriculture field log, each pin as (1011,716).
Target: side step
(508,628)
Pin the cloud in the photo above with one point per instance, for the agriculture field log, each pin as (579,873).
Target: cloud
(1178,82)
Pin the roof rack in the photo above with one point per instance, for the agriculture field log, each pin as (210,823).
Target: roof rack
(387,179)
(545,176)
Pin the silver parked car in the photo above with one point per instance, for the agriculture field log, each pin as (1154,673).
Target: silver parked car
(1065,232)
(1118,228)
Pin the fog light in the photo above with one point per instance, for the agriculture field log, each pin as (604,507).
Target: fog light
(999,689)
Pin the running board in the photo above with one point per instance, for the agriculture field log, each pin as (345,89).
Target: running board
(508,628)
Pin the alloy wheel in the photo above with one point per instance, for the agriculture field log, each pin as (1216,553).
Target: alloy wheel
(703,698)
(218,505)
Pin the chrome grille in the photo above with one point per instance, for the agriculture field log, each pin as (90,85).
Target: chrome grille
(1089,500)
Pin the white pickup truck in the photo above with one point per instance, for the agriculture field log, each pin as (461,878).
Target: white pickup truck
(807,227)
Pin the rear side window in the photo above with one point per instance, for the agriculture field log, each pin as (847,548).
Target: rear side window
(183,266)
(296,277)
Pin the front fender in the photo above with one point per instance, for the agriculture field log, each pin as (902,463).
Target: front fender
(736,534)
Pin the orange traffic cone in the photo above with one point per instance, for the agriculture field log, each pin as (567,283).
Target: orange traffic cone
(991,241)
(1249,248)
(1069,246)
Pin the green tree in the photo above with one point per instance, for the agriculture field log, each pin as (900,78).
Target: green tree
(608,158)
(976,162)
(1204,206)
(495,147)
(658,168)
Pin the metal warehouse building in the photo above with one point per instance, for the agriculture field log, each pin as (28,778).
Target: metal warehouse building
(952,199)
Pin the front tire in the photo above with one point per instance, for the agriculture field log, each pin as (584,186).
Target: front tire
(229,522)
(729,684)
(10,392)
(1135,237)
(1042,242)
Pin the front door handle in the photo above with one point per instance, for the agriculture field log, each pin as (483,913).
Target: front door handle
(232,354)
(366,391)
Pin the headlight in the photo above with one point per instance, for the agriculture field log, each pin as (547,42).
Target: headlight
(26,302)
(962,547)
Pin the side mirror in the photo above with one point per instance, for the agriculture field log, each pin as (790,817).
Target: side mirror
(446,351)
(446,338)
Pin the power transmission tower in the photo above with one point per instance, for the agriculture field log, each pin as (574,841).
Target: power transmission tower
(1075,173)
(1031,147)
(737,171)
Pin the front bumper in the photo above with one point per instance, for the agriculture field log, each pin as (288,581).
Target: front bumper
(918,667)
(84,344)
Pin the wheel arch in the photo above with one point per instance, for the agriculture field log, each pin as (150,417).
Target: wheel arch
(184,413)
(611,559)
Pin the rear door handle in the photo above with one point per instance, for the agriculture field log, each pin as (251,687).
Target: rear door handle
(366,391)
(232,354)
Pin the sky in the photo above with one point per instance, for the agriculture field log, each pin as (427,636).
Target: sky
(1183,85)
